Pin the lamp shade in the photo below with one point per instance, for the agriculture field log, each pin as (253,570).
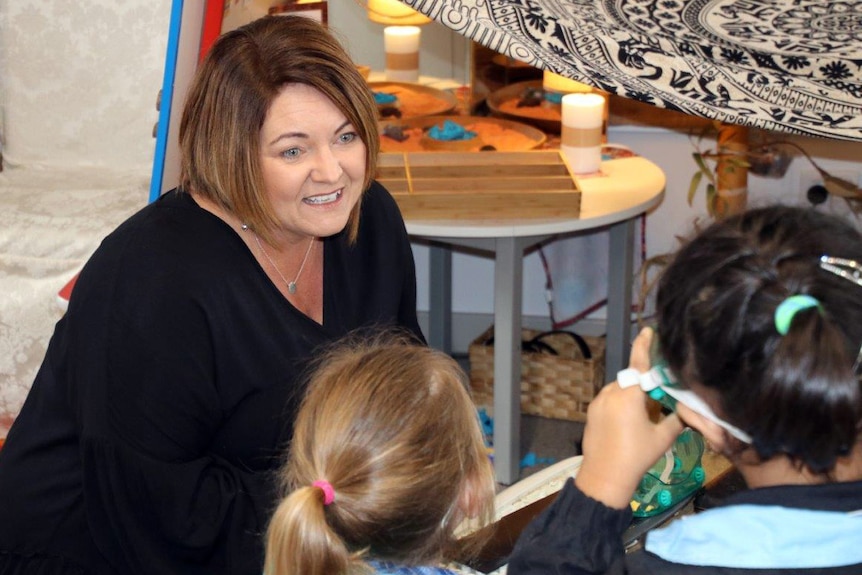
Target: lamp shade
(394,13)
(555,83)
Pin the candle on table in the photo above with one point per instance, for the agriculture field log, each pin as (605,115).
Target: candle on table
(402,53)
(581,134)
(555,87)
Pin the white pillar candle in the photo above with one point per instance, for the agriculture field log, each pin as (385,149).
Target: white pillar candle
(402,53)
(581,134)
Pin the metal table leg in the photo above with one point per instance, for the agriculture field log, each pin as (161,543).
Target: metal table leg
(621,256)
(508,273)
(440,298)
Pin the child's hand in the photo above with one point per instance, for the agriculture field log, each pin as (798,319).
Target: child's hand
(620,441)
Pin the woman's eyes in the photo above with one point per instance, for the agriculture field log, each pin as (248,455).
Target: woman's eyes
(345,138)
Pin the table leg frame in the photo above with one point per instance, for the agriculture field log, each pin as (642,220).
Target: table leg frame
(621,259)
(508,279)
(508,287)
(440,298)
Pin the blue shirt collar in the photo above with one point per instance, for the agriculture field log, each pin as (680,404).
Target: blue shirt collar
(761,537)
(388,568)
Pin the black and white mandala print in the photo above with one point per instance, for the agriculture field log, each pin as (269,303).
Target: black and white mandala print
(787,65)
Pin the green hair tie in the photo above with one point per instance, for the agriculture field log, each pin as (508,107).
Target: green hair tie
(787,309)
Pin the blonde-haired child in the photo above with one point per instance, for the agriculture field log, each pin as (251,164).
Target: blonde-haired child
(387,459)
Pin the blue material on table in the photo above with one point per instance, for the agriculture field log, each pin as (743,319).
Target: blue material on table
(383,98)
(450,131)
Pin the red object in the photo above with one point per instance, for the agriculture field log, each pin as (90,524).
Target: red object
(213,15)
(66,292)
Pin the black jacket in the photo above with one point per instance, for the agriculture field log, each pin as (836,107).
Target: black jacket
(822,525)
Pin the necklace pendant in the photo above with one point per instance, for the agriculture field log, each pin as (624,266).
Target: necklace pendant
(291,286)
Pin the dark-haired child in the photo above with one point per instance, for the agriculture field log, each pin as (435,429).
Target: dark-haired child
(760,315)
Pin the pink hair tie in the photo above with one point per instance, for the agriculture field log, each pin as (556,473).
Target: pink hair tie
(328,491)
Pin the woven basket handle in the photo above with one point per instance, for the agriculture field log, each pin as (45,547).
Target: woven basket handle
(530,345)
(536,343)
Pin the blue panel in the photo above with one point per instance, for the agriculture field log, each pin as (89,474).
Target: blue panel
(166,98)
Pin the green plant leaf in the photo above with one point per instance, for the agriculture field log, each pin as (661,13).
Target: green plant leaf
(703,166)
(692,187)
(711,198)
(698,159)
(738,161)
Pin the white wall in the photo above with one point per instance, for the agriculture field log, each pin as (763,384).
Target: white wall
(670,150)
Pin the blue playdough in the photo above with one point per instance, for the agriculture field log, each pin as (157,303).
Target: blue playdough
(382,98)
(450,131)
(531,460)
(554,97)
(487,422)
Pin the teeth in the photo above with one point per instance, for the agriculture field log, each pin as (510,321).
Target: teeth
(323,199)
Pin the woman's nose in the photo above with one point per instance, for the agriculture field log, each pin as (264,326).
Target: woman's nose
(328,167)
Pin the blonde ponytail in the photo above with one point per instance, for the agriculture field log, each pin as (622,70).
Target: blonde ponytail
(299,540)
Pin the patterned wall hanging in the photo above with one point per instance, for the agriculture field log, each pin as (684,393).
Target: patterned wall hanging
(793,66)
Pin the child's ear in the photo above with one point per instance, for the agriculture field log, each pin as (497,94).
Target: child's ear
(468,502)
(712,432)
(476,495)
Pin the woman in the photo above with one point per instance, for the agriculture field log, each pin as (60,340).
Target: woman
(150,437)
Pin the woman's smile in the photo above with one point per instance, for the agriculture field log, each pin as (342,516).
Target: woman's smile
(323,199)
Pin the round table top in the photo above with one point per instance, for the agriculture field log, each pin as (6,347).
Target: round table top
(625,188)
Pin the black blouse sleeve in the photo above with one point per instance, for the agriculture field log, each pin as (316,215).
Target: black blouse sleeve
(150,399)
(157,498)
(576,535)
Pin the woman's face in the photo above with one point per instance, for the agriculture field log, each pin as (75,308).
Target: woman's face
(313,163)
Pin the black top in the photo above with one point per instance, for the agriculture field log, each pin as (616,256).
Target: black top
(578,535)
(168,392)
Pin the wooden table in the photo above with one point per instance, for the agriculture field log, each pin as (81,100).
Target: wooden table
(625,189)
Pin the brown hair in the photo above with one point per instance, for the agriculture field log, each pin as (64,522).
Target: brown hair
(231,94)
(391,426)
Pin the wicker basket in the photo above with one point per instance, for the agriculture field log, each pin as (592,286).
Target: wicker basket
(557,386)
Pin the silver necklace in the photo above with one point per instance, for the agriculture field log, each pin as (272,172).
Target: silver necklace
(291,286)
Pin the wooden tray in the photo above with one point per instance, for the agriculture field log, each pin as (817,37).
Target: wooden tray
(528,137)
(427,101)
(496,99)
(463,186)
